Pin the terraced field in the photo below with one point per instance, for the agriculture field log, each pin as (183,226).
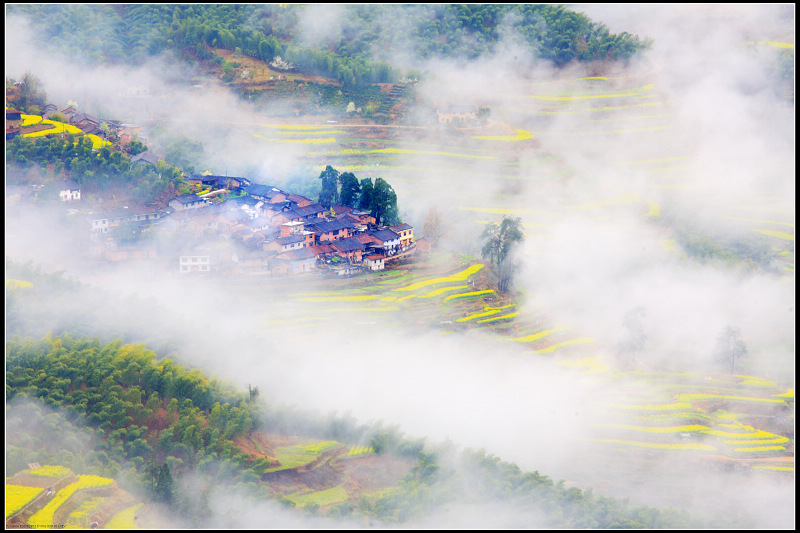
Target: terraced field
(53,496)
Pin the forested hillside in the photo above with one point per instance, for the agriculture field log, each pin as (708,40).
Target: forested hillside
(352,44)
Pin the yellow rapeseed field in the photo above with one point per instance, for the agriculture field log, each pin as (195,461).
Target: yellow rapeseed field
(459,276)
(54,471)
(124,519)
(18,496)
(540,335)
(582,340)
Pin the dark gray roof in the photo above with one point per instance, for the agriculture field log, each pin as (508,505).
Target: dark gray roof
(264,191)
(347,245)
(302,254)
(145,157)
(186,199)
(385,235)
(291,239)
(333,225)
(401,227)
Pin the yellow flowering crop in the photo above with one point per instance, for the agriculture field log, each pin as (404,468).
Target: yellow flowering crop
(97,142)
(368,309)
(703,396)
(14,284)
(124,519)
(582,340)
(750,435)
(788,394)
(442,290)
(540,335)
(496,318)
(360,450)
(520,135)
(422,152)
(478,315)
(761,449)
(661,446)
(45,515)
(655,209)
(327,140)
(307,132)
(581,97)
(466,294)
(79,518)
(287,127)
(777,440)
(18,496)
(775,468)
(777,234)
(459,276)
(58,127)
(54,471)
(30,120)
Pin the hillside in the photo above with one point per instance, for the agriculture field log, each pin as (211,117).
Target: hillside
(129,34)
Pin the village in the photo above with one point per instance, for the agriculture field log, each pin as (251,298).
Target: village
(258,230)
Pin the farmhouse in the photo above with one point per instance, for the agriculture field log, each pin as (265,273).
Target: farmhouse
(349,249)
(389,241)
(187,201)
(295,261)
(406,233)
(145,158)
(331,231)
(374,262)
(69,191)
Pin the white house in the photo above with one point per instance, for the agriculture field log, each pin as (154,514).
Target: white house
(69,192)
(374,262)
(196,261)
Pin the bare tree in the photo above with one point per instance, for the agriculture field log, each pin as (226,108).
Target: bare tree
(730,348)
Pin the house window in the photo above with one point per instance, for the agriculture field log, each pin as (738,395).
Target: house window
(194,260)
(184,268)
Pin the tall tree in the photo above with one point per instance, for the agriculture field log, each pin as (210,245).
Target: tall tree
(350,189)
(730,347)
(31,92)
(501,240)
(329,192)
(365,200)
(384,203)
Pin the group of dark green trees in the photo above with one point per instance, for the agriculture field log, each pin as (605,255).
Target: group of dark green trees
(360,53)
(345,189)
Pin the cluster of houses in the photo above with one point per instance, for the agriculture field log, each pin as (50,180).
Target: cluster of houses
(259,229)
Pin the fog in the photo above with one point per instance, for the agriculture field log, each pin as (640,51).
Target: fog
(715,148)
